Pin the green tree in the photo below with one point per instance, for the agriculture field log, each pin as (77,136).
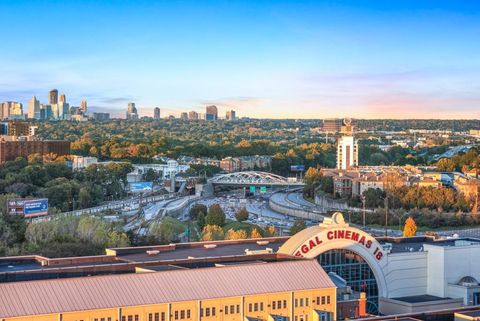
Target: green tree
(298,226)
(445,165)
(196,209)
(215,216)
(242,215)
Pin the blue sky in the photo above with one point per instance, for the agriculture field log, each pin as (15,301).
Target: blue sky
(278,59)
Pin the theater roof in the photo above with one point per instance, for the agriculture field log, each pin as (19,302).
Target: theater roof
(102,292)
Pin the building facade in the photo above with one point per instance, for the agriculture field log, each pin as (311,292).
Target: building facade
(254,292)
(347,152)
(211,113)
(156,113)
(10,150)
(132,113)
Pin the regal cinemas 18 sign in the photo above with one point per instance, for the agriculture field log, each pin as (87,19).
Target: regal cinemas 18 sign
(337,234)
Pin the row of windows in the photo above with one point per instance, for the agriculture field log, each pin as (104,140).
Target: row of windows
(208,312)
(156,316)
(278,304)
(182,314)
(255,307)
(232,309)
(323,300)
(130,317)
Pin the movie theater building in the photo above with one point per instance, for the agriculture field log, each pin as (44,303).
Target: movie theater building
(399,275)
(290,290)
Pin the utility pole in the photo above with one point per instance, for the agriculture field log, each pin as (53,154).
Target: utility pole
(363,203)
(386,215)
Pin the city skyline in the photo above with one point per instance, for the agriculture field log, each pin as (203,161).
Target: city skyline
(285,60)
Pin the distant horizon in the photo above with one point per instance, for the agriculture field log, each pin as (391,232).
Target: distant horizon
(282,60)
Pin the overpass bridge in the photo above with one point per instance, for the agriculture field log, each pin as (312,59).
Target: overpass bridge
(253,178)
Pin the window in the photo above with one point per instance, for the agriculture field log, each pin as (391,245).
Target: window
(226,309)
(176,315)
(296,302)
(213,312)
(301,302)
(232,309)
(255,307)
(328,299)
(306,302)
(102,319)
(150,317)
(249,307)
(261,306)
(123,318)
(274,305)
(130,318)
(182,315)
(163,316)
(318,300)
(284,304)
(323,299)
(207,312)
(188,314)
(136,317)
(157,316)
(279,304)
(238,308)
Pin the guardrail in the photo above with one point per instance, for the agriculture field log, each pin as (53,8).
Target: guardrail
(296,211)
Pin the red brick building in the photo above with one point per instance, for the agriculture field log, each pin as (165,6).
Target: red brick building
(10,150)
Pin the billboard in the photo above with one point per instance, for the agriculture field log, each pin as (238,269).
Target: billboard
(263,189)
(28,207)
(297,168)
(252,189)
(141,186)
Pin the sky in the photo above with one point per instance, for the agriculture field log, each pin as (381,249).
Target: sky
(264,59)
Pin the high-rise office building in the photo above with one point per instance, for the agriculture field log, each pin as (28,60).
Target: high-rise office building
(193,115)
(132,112)
(231,115)
(83,106)
(101,116)
(332,125)
(184,116)
(53,97)
(62,99)
(347,152)
(211,113)
(156,113)
(34,108)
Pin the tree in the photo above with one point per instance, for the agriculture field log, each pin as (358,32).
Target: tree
(196,210)
(255,234)
(215,216)
(201,220)
(298,225)
(236,235)
(212,233)
(446,165)
(270,230)
(410,228)
(242,214)
(167,230)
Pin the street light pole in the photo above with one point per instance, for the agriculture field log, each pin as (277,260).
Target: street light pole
(363,203)
(386,215)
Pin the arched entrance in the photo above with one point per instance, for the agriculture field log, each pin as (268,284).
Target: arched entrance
(350,252)
(355,270)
